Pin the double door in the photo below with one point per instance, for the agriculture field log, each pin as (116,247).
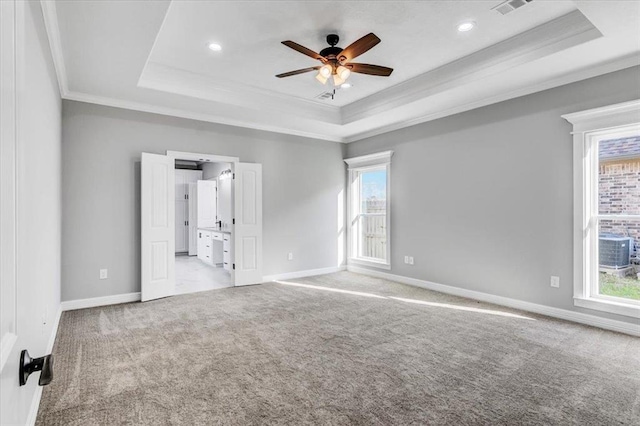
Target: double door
(157,219)
(185,228)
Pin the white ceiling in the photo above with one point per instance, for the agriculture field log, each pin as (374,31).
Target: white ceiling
(153,56)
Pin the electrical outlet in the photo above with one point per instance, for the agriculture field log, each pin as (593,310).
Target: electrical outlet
(406,259)
(104,274)
(290,256)
(410,260)
(555,281)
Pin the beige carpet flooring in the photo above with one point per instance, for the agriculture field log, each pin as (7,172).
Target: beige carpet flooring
(337,349)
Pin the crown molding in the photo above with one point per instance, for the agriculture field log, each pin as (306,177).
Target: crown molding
(559,34)
(180,113)
(583,74)
(50,16)
(177,81)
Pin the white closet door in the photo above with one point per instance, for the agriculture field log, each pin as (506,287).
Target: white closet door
(157,220)
(207,203)
(182,229)
(247,231)
(193,219)
(182,181)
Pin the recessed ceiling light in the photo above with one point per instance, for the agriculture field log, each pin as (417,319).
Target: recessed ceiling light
(215,47)
(346,85)
(466,26)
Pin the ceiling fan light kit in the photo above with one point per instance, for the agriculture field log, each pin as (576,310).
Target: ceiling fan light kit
(337,61)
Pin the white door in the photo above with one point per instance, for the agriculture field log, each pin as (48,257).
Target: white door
(14,398)
(247,231)
(207,203)
(182,182)
(156,222)
(193,219)
(182,228)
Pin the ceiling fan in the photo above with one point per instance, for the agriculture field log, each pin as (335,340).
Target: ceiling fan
(337,61)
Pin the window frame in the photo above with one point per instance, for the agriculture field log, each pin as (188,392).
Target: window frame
(589,127)
(357,165)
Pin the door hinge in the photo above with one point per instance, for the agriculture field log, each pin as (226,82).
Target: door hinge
(234,176)
(234,221)
(234,266)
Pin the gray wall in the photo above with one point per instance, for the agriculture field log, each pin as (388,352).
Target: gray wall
(483,200)
(38,210)
(302,180)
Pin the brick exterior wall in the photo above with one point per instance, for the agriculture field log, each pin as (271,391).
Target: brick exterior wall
(619,184)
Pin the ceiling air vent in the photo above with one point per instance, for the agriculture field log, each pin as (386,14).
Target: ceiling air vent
(510,5)
(325,95)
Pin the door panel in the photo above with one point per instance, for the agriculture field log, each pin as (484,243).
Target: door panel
(247,231)
(181,180)
(157,223)
(182,229)
(193,219)
(207,214)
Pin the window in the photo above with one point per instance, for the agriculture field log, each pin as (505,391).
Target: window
(368,236)
(607,208)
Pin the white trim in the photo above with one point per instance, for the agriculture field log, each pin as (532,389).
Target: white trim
(35,401)
(168,79)
(181,113)
(369,263)
(194,156)
(71,305)
(604,118)
(571,77)
(50,16)
(588,128)
(606,323)
(573,29)
(302,274)
(358,165)
(603,305)
(377,159)
(559,34)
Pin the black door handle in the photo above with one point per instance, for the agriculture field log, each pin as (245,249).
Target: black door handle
(30,365)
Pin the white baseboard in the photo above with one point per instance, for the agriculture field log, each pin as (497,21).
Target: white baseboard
(579,317)
(71,305)
(35,402)
(302,274)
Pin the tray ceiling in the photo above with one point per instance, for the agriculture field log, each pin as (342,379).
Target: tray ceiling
(153,56)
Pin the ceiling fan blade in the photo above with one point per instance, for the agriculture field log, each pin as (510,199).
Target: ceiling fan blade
(304,50)
(370,69)
(296,72)
(358,47)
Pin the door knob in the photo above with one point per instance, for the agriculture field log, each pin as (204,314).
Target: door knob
(30,365)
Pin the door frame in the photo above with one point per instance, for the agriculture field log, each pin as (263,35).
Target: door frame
(209,158)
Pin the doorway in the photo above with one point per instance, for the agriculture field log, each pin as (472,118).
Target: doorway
(201,223)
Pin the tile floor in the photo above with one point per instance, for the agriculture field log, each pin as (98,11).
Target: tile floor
(193,275)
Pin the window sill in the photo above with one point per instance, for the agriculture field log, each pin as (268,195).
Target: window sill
(370,263)
(626,309)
